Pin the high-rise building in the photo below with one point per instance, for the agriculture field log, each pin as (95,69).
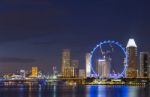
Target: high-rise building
(88,65)
(75,64)
(149,68)
(34,71)
(100,67)
(103,68)
(82,73)
(132,59)
(144,64)
(69,72)
(65,60)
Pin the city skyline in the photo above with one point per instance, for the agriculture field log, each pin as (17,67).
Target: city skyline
(69,53)
(34,33)
(82,63)
(74,48)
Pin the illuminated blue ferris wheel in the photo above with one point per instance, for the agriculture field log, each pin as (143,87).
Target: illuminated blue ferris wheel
(103,54)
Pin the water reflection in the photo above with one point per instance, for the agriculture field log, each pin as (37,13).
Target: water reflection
(112,91)
(132,92)
(96,91)
(54,91)
(39,91)
(21,91)
(30,91)
(76,91)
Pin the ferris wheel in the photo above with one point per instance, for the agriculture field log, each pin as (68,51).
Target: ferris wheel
(104,60)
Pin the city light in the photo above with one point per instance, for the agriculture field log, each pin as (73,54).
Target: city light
(75,48)
(73,74)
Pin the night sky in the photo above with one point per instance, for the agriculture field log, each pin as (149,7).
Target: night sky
(34,32)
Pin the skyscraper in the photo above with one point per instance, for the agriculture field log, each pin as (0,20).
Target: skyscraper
(65,60)
(68,72)
(149,67)
(75,65)
(103,68)
(132,59)
(144,64)
(100,67)
(82,73)
(88,65)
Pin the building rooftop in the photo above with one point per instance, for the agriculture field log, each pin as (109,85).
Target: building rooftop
(131,43)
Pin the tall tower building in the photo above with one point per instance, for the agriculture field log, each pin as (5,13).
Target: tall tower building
(82,73)
(149,67)
(65,59)
(144,64)
(132,59)
(103,68)
(100,67)
(88,65)
(69,72)
(75,65)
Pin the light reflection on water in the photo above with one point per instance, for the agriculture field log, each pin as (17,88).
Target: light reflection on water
(96,91)
(21,93)
(54,91)
(76,91)
(133,92)
(40,90)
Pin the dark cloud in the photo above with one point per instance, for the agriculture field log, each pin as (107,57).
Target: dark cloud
(16,60)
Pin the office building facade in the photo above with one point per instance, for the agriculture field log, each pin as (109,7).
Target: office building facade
(144,64)
(65,60)
(88,65)
(132,71)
